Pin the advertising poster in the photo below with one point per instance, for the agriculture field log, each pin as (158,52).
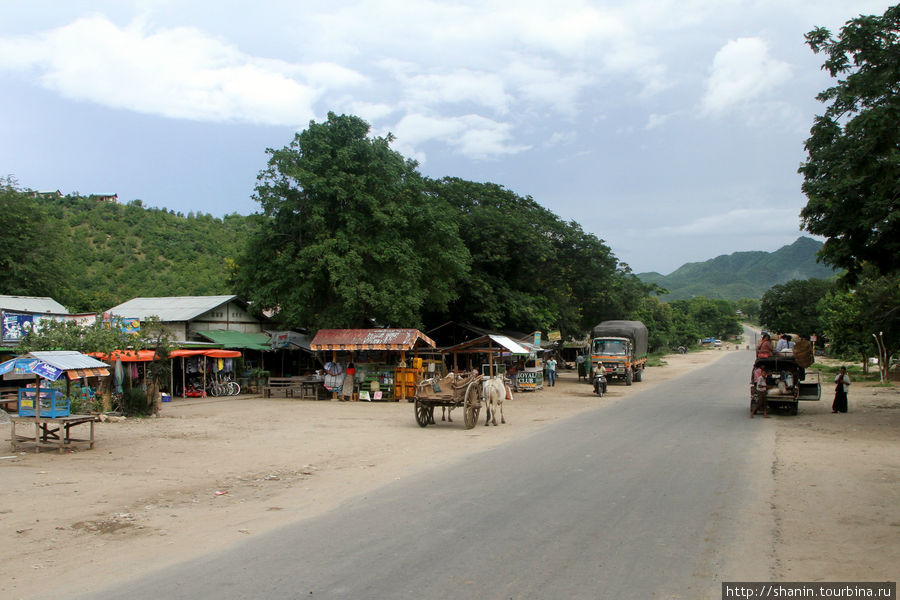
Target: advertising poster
(16,325)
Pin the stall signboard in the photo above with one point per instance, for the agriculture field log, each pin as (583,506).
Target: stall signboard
(528,379)
(46,371)
(30,366)
(16,325)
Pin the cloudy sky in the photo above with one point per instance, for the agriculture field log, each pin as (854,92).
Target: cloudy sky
(672,129)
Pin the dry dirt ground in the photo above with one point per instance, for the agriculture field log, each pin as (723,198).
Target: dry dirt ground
(210,472)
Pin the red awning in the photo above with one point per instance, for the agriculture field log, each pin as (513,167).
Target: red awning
(148,355)
(369,339)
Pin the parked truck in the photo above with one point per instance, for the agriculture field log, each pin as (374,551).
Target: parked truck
(621,348)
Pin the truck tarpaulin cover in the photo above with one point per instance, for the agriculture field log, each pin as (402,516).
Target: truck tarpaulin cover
(628,329)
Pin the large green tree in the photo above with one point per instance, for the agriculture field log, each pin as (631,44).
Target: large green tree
(348,235)
(851,317)
(791,307)
(530,269)
(852,175)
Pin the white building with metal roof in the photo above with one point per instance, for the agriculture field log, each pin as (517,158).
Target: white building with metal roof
(32,304)
(188,317)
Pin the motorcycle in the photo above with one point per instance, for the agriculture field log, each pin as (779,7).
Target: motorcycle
(599,382)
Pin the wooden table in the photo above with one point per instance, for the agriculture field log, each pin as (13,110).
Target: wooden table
(309,388)
(50,432)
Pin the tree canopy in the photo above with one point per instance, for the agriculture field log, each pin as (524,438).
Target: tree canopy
(348,236)
(852,174)
(531,270)
(791,307)
(35,252)
(850,318)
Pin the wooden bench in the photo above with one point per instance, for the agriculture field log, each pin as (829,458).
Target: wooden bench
(281,384)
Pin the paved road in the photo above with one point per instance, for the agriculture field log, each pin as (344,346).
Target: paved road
(661,494)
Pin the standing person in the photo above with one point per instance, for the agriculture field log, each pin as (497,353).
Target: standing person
(551,371)
(582,369)
(764,349)
(841,387)
(762,393)
(347,387)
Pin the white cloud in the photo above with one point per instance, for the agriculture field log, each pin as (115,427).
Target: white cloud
(178,72)
(656,120)
(472,135)
(458,86)
(742,72)
(772,220)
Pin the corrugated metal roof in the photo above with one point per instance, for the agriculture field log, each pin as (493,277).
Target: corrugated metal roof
(67,359)
(368,339)
(486,344)
(238,339)
(33,304)
(171,308)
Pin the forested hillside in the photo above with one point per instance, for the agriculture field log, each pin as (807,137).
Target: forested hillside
(743,274)
(91,255)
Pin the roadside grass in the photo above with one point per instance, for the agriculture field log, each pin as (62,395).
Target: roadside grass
(831,366)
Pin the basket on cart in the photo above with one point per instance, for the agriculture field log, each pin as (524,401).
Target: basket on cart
(452,391)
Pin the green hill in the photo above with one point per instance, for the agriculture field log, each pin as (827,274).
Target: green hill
(101,253)
(742,274)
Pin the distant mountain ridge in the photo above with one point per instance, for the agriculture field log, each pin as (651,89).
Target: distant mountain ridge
(742,274)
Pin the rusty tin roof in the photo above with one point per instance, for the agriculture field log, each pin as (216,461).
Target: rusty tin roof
(369,339)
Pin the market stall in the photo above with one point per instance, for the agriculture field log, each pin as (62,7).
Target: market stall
(191,370)
(502,355)
(379,359)
(45,407)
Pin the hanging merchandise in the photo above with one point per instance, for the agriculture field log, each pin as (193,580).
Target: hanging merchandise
(333,368)
(333,382)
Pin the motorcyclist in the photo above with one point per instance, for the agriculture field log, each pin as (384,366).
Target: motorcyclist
(599,379)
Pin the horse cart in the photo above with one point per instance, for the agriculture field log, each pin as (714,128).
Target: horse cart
(451,391)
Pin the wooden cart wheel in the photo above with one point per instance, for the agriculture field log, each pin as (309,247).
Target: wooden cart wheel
(471,406)
(423,414)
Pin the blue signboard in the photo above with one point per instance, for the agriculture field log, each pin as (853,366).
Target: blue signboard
(30,366)
(46,371)
(16,325)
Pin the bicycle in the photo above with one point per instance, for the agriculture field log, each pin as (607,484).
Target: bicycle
(223,385)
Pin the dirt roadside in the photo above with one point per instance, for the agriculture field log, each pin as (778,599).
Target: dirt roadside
(210,472)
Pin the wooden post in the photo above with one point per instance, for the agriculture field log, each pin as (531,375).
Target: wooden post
(490,358)
(183,380)
(203,394)
(37,414)
(402,376)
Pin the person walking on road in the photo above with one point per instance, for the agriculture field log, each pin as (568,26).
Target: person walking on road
(841,387)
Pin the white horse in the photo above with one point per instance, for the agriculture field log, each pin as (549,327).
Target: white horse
(495,391)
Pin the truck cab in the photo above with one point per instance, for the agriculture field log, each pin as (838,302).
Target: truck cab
(615,354)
